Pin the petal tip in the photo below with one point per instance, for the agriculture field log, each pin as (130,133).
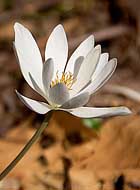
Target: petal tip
(97,48)
(106,55)
(49,60)
(16,91)
(18,94)
(91,37)
(59,27)
(126,110)
(115,60)
(17,25)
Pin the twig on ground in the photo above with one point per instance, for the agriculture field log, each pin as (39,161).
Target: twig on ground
(105,34)
(125,91)
(45,184)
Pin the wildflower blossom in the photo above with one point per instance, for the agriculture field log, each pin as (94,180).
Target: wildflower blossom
(64,85)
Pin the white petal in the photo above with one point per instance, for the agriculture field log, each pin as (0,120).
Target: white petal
(77,66)
(83,49)
(48,69)
(86,70)
(28,54)
(102,62)
(90,112)
(57,49)
(39,107)
(102,77)
(59,94)
(36,87)
(76,101)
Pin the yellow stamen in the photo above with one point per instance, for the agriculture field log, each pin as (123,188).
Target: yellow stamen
(66,78)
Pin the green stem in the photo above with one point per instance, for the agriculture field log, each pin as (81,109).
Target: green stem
(34,138)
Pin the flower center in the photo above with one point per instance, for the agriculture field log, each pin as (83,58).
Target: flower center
(66,78)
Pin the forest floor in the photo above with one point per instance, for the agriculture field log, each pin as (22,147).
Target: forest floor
(69,155)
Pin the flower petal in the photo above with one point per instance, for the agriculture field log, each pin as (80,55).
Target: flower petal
(86,70)
(102,62)
(57,49)
(28,54)
(59,94)
(76,101)
(102,77)
(36,87)
(91,112)
(77,66)
(83,49)
(48,69)
(39,107)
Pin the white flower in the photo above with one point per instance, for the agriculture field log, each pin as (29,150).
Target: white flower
(64,87)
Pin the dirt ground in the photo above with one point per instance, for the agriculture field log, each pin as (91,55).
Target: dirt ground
(69,155)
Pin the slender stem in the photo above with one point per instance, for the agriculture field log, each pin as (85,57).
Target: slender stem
(34,138)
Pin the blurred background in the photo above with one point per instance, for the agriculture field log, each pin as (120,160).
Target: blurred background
(107,151)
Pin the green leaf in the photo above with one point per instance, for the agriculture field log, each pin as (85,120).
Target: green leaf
(92,123)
